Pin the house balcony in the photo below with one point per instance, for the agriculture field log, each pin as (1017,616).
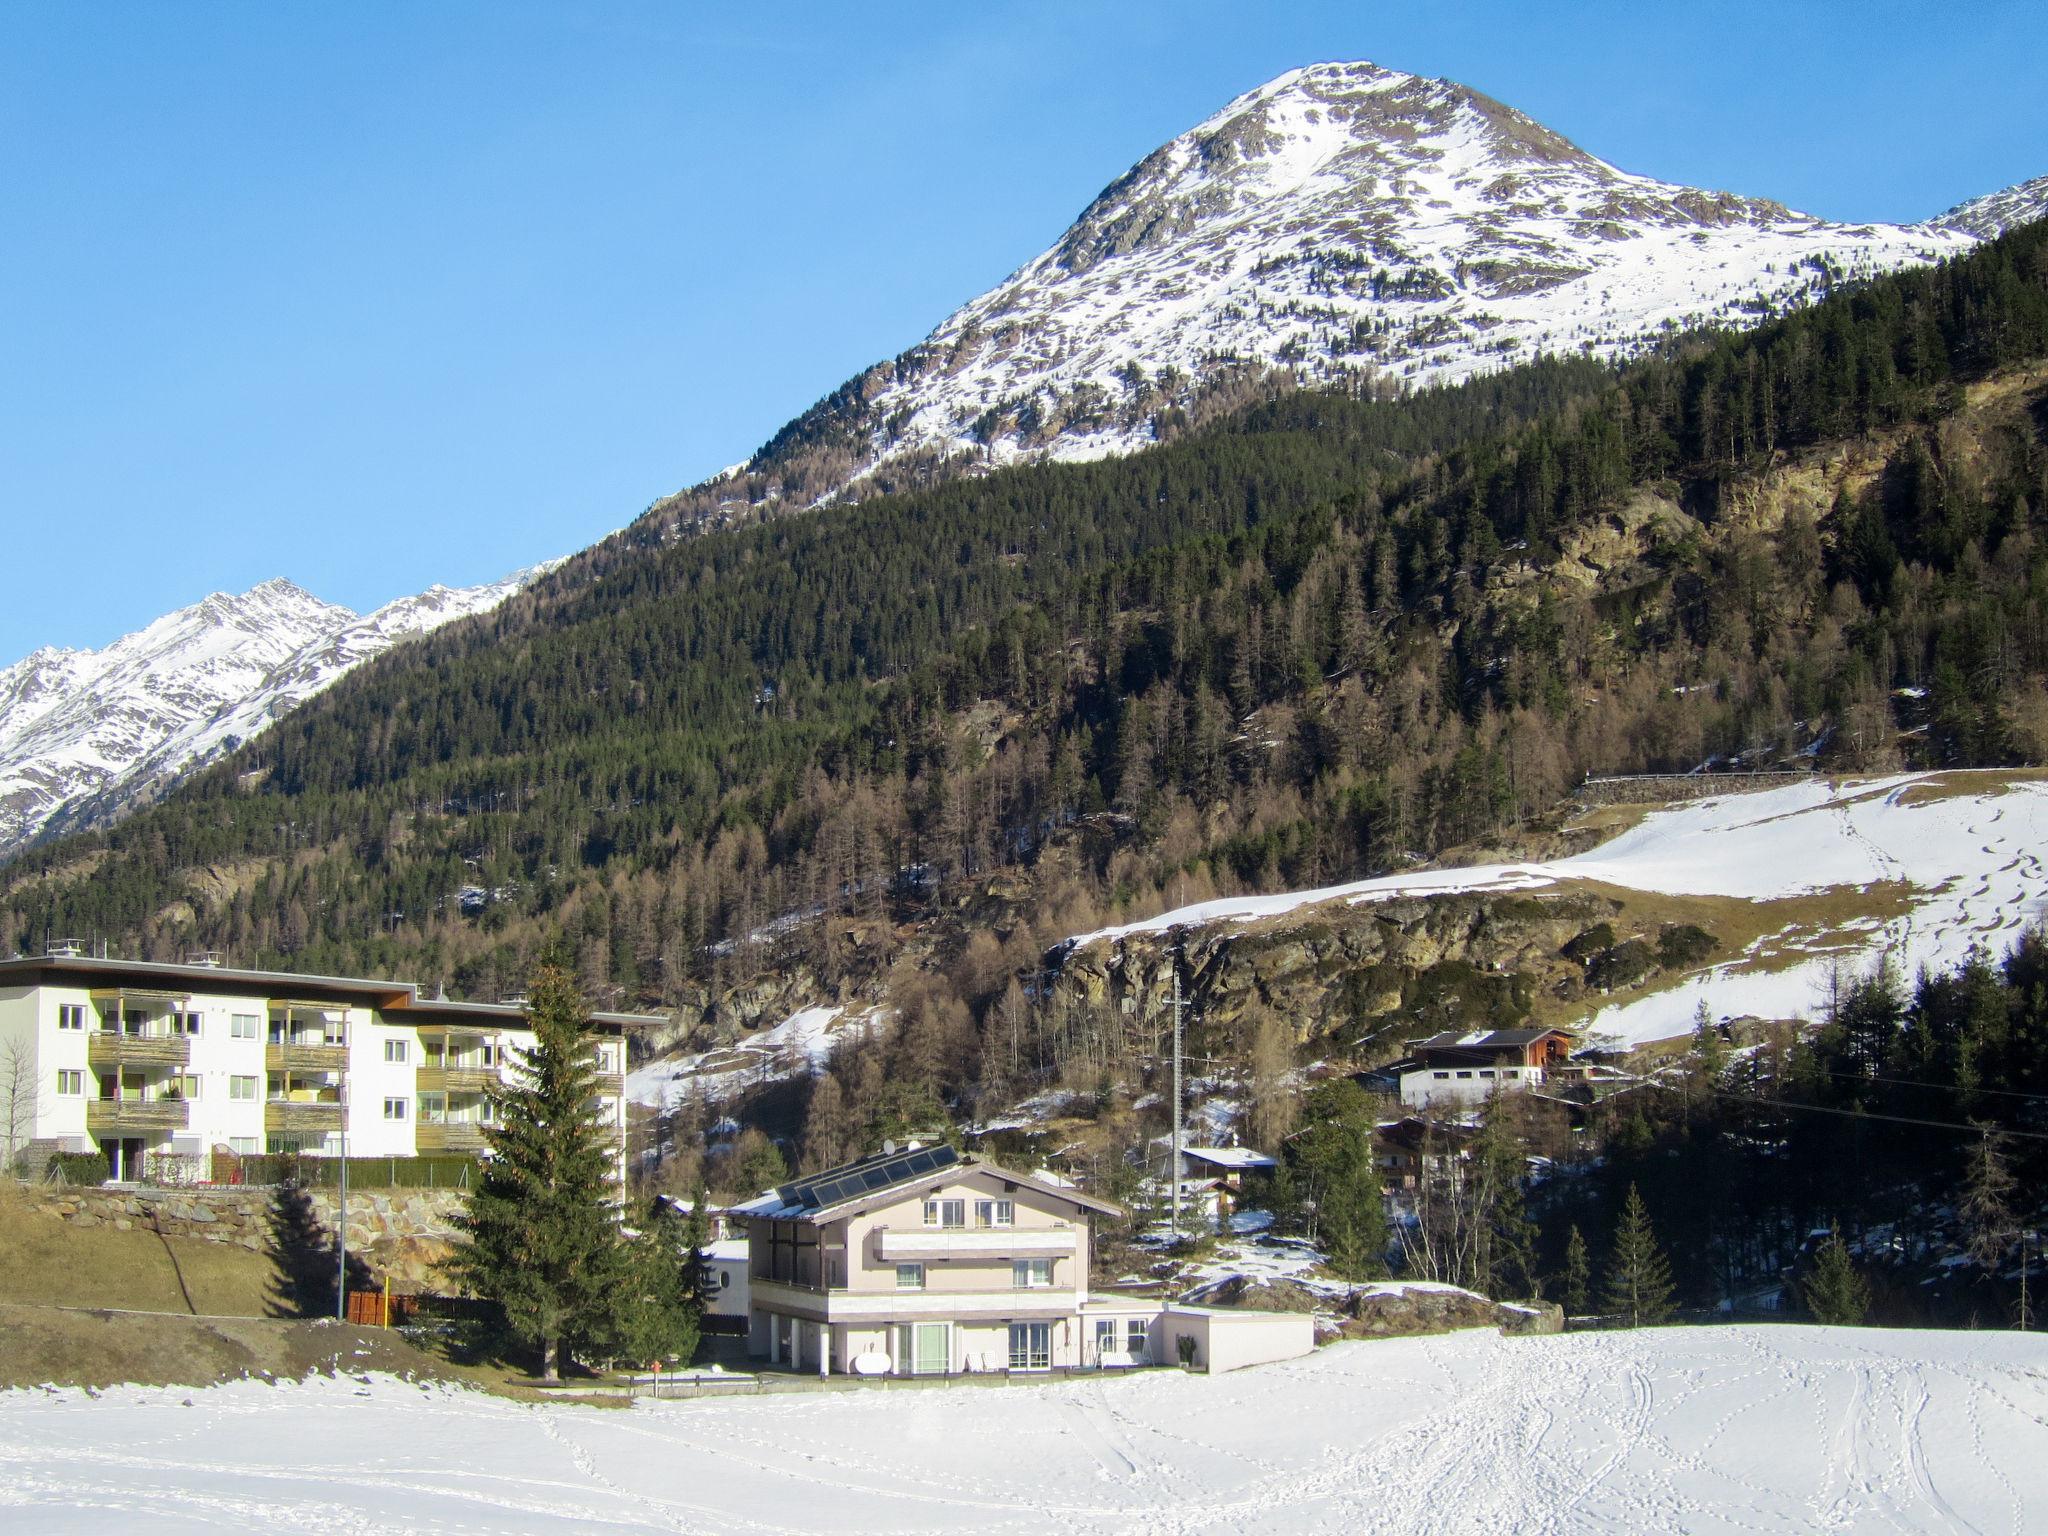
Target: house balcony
(842,1306)
(459,1079)
(449,1136)
(611,1085)
(911,1243)
(127,1117)
(306,1057)
(109,1048)
(291,1116)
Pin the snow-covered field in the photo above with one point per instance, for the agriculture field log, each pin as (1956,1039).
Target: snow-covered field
(1962,850)
(1734,1430)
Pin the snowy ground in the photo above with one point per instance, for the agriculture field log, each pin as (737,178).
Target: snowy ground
(1735,1430)
(801,1043)
(1963,849)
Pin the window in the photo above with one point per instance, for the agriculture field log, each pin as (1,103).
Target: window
(184,1023)
(394,1109)
(1134,1337)
(945,1213)
(1031,1346)
(909,1277)
(1442,1074)
(1464,1074)
(185,1086)
(1511,1072)
(245,1146)
(725,1279)
(242,1088)
(994,1213)
(394,1050)
(1105,1336)
(1031,1274)
(1486,1071)
(71,1015)
(70,1081)
(244,1026)
(433,1106)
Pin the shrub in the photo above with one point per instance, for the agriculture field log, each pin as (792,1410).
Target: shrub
(77,1168)
(1683,944)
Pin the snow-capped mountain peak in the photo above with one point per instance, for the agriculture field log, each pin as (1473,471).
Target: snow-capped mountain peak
(1343,222)
(86,735)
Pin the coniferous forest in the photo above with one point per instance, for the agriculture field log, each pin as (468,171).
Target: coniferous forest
(925,736)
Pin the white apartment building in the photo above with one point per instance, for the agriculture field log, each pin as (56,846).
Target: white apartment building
(162,1067)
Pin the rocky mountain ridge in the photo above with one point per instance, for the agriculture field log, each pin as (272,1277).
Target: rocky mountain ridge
(88,735)
(1343,223)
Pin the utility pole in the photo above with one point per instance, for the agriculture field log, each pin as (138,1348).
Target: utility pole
(1175,1173)
(341,1220)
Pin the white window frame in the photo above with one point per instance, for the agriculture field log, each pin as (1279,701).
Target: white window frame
(995,1213)
(243,1089)
(910,1277)
(397,1109)
(71,1082)
(1024,1274)
(71,1016)
(395,1052)
(937,1210)
(1028,1358)
(245,1026)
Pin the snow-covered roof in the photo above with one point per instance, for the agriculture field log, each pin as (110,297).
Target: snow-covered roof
(1231,1157)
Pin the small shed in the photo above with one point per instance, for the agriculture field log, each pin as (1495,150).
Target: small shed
(1228,1339)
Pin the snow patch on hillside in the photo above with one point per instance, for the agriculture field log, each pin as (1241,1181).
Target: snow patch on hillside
(798,1046)
(1964,849)
(1708,1430)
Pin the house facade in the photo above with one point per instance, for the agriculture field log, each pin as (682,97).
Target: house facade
(167,1069)
(926,1262)
(1469,1067)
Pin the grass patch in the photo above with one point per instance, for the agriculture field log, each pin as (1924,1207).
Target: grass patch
(47,1261)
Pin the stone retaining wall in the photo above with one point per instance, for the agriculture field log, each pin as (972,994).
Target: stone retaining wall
(404,1235)
(1654,788)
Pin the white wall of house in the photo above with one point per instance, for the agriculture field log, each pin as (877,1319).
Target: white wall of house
(1463,1085)
(1226,1339)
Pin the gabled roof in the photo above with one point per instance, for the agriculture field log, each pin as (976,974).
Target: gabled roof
(1484,1039)
(884,1176)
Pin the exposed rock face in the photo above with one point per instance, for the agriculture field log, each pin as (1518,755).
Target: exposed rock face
(1380,1312)
(1421,964)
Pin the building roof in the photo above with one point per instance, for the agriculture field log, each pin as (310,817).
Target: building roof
(392,997)
(1231,1157)
(883,1176)
(1484,1039)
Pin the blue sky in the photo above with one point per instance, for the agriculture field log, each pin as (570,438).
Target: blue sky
(376,295)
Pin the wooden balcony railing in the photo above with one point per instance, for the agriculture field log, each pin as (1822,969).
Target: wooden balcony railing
(127,1116)
(306,1058)
(107,1048)
(289,1116)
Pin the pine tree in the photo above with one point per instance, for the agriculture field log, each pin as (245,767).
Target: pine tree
(1578,1275)
(543,1229)
(1835,1293)
(696,1237)
(1638,1275)
(1335,1176)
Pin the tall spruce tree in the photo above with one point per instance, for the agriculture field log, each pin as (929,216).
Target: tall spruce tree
(1835,1293)
(696,1237)
(1638,1275)
(658,1313)
(1335,1178)
(543,1227)
(1576,1282)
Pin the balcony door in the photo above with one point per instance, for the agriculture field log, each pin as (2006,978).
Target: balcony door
(1031,1346)
(924,1349)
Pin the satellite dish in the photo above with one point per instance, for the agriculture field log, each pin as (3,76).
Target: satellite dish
(888,1148)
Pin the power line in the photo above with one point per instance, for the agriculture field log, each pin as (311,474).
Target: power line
(1864,1114)
(1915,1082)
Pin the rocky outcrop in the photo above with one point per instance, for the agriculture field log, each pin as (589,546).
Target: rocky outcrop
(1419,964)
(1394,1310)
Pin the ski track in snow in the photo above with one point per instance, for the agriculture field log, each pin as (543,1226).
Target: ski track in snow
(1964,856)
(1727,1430)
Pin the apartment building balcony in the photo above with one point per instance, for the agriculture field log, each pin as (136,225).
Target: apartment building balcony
(449,1136)
(901,1244)
(299,1116)
(113,1048)
(611,1085)
(290,1056)
(133,1116)
(438,1079)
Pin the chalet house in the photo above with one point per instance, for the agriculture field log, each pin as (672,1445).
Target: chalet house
(922,1261)
(1470,1067)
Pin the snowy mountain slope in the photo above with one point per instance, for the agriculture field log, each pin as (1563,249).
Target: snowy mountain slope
(1957,855)
(1719,1431)
(1342,222)
(86,736)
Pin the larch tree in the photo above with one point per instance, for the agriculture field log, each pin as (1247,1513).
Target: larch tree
(542,1222)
